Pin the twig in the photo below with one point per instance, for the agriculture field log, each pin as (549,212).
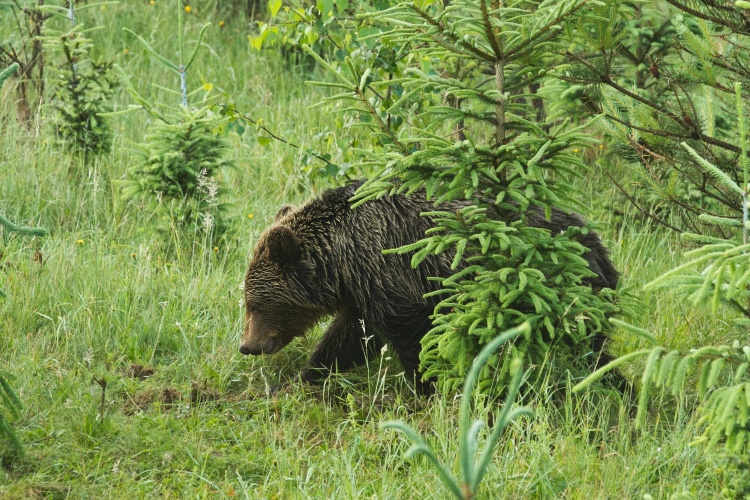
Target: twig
(272,135)
(644,212)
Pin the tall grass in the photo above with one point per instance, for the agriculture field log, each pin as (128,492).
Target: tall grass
(110,295)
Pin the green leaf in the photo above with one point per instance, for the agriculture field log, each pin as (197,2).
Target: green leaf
(273,7)
(342,5)
(311,35)
(325,7)
(256,42)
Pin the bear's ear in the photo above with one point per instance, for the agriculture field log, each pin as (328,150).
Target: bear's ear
(283,211)
(283,247)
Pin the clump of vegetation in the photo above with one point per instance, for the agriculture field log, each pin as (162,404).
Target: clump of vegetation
(181,160)
(10,405)
(665,75)
(723,385)
(183,154)
(5,223)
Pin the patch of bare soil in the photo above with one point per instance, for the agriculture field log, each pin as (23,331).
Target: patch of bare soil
(139,371)
(167,396)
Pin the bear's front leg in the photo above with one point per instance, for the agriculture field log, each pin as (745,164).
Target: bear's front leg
(346,343)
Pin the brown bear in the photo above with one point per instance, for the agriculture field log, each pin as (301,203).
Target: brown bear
(325,258)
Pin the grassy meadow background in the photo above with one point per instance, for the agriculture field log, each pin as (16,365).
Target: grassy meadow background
(116,296)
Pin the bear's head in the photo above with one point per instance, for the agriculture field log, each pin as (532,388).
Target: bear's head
(281,302)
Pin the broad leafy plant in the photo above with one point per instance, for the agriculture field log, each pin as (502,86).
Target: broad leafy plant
(473,468)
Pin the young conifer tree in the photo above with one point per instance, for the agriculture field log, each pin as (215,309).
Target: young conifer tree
(82,94)
(716,273)
(676,105)
(462,120)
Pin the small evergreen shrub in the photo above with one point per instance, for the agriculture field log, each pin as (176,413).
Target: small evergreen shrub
(180,161)
(83,91)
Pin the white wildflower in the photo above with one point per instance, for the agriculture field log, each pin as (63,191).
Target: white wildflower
(89,357)
(208,221)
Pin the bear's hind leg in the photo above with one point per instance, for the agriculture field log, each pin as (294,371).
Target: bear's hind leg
(345,344)
(404,334)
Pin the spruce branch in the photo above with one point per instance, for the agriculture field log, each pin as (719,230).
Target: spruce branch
(23,230)
(637,205)
(449,40)
(8,72)
(737,25)
(565,12)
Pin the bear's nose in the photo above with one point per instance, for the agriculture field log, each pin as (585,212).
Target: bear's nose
(258,348)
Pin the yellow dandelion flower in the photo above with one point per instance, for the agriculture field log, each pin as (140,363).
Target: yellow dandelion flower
(104,7)
(249,216)
(601,146)
(188,9)
(576,150)
(80,242)
(221,24)
(216,249)
(133,255)
(152,2)
(125,51)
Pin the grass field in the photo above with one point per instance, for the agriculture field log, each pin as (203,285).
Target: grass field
(114,297)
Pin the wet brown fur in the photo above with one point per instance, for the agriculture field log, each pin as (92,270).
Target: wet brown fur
(325,258)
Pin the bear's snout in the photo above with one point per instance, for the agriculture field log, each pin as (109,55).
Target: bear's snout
(268,347)
(257,338)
